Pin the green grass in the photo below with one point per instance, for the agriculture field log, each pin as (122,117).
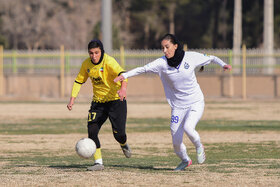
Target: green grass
(44,126)
(66,126)
(243,151)
(240,125)
(221,158)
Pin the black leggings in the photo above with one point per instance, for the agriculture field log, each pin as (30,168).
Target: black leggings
(116,111)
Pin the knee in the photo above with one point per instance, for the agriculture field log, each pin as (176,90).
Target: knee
(192,134)
(118,135)
(189,131)
(93,130)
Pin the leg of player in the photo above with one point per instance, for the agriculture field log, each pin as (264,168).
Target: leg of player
(194,115)
(117,117)
(177,133)
(201,157)
(96,118)
(126,150)
(93,130)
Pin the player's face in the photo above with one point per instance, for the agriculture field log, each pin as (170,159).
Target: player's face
(95,54)
(168,48)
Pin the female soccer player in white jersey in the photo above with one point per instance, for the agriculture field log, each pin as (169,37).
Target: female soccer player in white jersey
(176,70)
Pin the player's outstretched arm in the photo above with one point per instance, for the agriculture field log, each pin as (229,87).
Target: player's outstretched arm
(71,103)
(218,61)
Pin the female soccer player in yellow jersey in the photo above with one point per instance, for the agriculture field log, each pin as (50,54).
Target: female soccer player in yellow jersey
(108,98)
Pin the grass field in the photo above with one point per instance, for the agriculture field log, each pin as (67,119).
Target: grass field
(243,147)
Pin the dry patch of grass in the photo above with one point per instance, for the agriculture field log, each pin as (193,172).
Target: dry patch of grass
(234,158)
(50,160)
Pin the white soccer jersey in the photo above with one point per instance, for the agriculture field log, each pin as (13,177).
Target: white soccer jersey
(180,83)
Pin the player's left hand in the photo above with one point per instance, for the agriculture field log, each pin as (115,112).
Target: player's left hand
(119,78)
(227,67)
(122,93)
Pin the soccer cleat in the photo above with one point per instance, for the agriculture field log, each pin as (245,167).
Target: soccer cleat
(200,155)
(126,151)
(183,165)
(96,167)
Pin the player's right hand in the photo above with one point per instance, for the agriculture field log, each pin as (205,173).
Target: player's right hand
(227,67)
(69,106)
(71,103)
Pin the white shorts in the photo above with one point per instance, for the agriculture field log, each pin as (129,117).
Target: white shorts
(185,120)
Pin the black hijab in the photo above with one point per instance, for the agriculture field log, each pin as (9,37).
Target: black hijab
(179,52)
(95,44)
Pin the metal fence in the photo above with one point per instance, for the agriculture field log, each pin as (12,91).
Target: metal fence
(51,61)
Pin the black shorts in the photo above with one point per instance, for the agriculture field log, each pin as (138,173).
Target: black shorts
(116,111)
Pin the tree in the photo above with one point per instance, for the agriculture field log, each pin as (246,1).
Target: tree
(3,40)
(36,24)
(148,24)
(33,24)
(277,23)
(252,23)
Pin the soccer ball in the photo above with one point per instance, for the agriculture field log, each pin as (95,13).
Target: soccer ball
(85,148)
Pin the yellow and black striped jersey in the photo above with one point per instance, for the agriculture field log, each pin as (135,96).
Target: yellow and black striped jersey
(102,76)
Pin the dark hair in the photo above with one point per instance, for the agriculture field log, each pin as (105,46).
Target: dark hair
(179,52)
(172,38)
(95,44)
(201,69)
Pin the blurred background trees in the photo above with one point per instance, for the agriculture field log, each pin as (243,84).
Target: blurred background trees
(137,24)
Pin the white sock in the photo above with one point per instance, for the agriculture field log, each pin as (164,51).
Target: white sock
(197,144)
(98,161)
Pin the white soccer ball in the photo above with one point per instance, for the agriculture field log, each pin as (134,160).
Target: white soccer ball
(85,147)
